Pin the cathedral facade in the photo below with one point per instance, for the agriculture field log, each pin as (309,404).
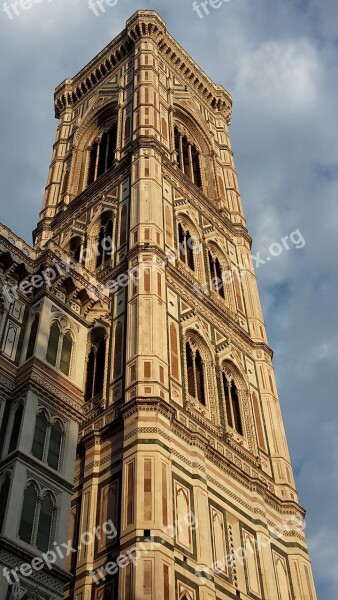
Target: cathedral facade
(142,448)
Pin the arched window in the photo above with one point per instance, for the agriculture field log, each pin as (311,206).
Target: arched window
(105,240)
(53,344)
(188,157)
(186,247)
(40,512)
(47,441)
(55,443)
(216,274)
(96,364)
(232,404)
(4,493)
(60,349)
(28,513)
(66,353)
(102,153)
(13,442)
(41,425)
(76,248)
(45,523)
(195,374)
(32,337)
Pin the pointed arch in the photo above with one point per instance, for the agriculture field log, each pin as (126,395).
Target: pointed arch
(45,523)
(32,336)
(53,344)
(30,500)
(16,428)
(40,432)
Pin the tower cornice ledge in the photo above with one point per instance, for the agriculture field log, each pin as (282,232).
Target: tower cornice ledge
(144,23)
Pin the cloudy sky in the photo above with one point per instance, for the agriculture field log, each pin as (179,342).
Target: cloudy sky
(279,62)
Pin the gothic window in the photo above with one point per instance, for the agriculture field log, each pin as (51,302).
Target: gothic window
(4,493)
(66,353)
(188,157)
(105,240)
(102,153)
(39,439)
(37,518)
(216,274)
(186,247)
(232,403)
(55,443)
(96,364)
(32,337)
(45,523)
(28,513)
(53,344)
(60,349)
(16,429)
(195,374)
(76,248)
(47,441)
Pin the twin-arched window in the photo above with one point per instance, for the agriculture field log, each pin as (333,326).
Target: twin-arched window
(47,442)
(232,403)
(60,348)
(102,153)
(195,374)
(38,514)
(188,157)
(96,364)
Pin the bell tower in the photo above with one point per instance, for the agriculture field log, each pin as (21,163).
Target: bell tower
(183,487)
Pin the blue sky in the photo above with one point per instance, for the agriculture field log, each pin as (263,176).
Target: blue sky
(279,62)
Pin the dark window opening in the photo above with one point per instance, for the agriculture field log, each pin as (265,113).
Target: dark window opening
(32,337)
(195,374)
(102,154)
(186,247)
(188,157)
(216,275)
(232,404)
(4,493)
(16,429)
(96,365)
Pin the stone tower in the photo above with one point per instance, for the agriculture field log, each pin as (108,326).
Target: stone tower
(144,352)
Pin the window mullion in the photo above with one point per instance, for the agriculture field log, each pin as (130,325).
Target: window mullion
(191,163)
(231,405)
(181,153)
(94,373)
(195,377)
(107,150)
(59,352)
(36,521)
(98,148)
(47,442)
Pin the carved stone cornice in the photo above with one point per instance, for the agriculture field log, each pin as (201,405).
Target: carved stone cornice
(49,388)
(139,404)
(144,23)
